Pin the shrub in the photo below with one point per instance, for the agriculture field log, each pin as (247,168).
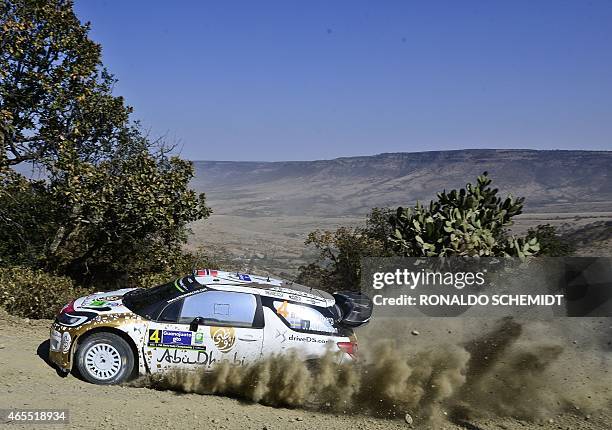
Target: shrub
(551,243)
(34,293)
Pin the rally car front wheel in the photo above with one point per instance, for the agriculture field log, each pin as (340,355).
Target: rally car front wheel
(104,358)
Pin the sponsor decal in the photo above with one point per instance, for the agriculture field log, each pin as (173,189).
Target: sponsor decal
(244,277)
(192,357)
(172,339)
(237,361)
(184,357)
(66,340)
(55,340)
(295,297)
(181,297)
(102,302)
(281,334)
(310,339)
(199,337)
(223,337)
(97,302)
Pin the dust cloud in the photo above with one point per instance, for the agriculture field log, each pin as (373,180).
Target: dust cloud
(502,372)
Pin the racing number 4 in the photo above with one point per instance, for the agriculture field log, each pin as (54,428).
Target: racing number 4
(154,336)
(282,310)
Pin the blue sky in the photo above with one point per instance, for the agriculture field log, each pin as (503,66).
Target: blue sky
(288,80)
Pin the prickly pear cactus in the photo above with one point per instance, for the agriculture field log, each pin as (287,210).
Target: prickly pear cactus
(471,221)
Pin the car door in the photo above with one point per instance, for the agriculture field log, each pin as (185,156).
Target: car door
(307,329)
(206,328)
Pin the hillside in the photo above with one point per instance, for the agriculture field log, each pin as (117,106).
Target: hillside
(267,208)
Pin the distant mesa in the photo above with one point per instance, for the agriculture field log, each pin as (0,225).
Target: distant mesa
(552,181)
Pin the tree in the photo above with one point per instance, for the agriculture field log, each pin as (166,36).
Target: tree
(53,86)
(338,264)
(472,221)
(112,204)
(28,215)
(131,224)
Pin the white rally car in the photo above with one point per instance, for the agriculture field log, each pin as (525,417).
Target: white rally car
(200,320)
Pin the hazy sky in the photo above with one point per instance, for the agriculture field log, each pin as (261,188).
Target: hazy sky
(288,80)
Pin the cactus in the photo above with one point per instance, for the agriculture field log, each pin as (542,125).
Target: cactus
(472,221)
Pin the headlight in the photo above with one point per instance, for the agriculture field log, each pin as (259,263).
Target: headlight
(74,319)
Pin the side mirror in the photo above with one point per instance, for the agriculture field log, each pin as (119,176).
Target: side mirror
(193,326)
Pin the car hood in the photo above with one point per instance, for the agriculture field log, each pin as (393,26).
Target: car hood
(109,302)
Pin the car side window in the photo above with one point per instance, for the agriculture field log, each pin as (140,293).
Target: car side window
(305,318)
(171,312)
(220,308)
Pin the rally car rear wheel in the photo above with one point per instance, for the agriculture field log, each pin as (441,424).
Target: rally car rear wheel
(104,358)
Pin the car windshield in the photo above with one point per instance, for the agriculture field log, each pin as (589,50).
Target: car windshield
(145,301)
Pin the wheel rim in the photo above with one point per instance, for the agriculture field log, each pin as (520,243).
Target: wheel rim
(103,361)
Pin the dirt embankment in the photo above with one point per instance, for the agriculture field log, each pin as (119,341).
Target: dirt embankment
(453,374)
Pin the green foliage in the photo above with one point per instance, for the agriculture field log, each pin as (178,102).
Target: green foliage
(53,86)
(179,265)
(338,264)
(112,206)
(551,243)
(100,223)
(27,217)
(124,216)
(35,293)
(468,222)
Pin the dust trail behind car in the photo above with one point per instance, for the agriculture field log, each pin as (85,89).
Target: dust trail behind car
(503,372)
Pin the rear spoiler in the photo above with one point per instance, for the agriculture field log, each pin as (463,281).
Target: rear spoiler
(355,308)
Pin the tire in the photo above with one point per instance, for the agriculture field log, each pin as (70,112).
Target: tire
(104,359)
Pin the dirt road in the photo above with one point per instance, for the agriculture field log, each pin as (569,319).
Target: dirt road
(29,382)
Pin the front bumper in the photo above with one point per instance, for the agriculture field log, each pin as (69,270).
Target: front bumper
(60,343)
